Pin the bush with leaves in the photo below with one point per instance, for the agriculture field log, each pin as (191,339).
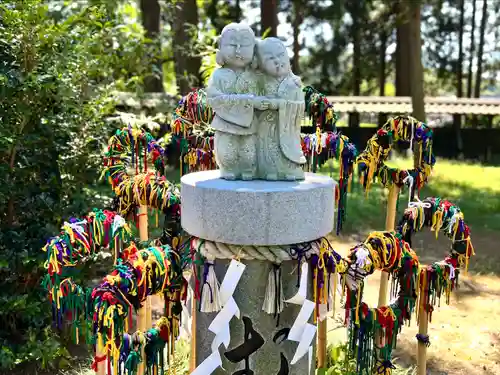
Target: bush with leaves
(57,72)
(339,362)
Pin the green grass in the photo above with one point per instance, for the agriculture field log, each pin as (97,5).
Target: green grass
(344,124)
(341,124)
(473,187)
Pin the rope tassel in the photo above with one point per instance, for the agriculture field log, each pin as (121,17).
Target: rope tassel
(273,300)
(210,294)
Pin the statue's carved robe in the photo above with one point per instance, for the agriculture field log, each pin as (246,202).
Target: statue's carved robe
(290,117)
(279,151)
(234,111)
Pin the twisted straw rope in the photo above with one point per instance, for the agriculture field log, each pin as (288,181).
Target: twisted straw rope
(275,254)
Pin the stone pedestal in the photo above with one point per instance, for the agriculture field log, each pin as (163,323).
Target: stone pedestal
(258,214)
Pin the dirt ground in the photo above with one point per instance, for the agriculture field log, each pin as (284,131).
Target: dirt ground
(465,336)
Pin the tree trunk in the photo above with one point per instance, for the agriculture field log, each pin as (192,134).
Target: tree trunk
(297,21)
(187,64)
(457,119)
(402,49)
(10,202)
(237,11)
(212,14)
(356,58)
(150,11)
(416,69)
(269,17)
(472,48)
(221,15)
(382,117)
(484,19)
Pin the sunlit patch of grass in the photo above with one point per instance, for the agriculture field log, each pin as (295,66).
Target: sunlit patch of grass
(473,187)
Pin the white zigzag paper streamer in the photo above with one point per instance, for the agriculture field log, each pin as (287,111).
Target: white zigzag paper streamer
(302,331)
(220,324)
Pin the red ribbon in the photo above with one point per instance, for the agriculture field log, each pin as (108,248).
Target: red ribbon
(96,361)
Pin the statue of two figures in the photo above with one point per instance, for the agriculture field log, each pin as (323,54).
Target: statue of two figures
(259,106)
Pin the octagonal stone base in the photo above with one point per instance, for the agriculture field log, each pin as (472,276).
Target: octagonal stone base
(259,213)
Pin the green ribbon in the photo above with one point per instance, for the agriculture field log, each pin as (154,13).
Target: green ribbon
(132,362)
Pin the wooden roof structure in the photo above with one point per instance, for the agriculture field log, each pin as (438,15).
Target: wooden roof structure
(345,104)
(402,104)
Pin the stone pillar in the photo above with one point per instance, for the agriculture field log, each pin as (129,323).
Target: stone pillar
(257,220)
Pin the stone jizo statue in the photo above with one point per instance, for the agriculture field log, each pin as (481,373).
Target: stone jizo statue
(258,104)
(279,152)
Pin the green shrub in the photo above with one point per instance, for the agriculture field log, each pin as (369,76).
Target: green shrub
(57,71)
(339,362)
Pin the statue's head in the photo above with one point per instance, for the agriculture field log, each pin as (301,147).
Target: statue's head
(236,46)
(273,57)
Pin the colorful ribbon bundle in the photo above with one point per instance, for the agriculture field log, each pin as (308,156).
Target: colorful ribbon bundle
(136,145)
(332,145)
(377,328)
(192,112)
(439,214)
(327,266)
(440,277)
(401,129)
(145,188)
(436,280)
(197,152)
(149,190)
(154,342)
(81,238)
(155,270)
(319,109)
(172,229)
(72,302)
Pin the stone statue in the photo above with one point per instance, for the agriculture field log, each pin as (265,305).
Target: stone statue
(231,93)
(278,142)
(257,112)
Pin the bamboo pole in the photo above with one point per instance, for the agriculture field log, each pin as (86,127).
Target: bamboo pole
(322,343)
(423,325)
(390,219)
(100,353)
(144,313)
(192,365)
